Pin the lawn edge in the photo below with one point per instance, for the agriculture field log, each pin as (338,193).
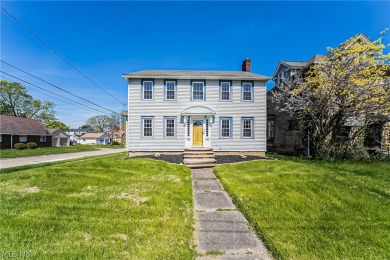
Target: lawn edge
(267,243)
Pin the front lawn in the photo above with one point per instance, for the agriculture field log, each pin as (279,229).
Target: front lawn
(100,208)
(314,209)
(12,153)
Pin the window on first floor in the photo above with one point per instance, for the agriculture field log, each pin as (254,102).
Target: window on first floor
(170,127)
(147,126)
(247,127)
(270,128)
(22,138)
(293,125)
(1,138)
(226,127)
(42,139)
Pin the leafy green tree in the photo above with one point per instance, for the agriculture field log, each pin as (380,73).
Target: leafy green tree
(15,101)
(57,124)
(349,86)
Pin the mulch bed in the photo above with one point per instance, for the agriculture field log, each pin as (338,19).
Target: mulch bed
(221,159)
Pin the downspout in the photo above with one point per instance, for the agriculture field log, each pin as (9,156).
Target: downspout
(12,136)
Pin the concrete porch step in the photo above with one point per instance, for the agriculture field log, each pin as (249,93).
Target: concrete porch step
(198,152)
(208,165)
(199,161)
(198,149)
(192,155)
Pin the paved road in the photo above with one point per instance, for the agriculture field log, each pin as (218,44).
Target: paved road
(21,161)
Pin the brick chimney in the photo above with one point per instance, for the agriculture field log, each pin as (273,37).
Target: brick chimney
(246,65)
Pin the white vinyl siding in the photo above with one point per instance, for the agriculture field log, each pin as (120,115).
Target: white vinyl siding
(159,108)
(22,138)
(147,90)
(147,126)
(170,90)
(247,127)
(42,139)
(198,91)
(247,91)
(170,127)
(225,91)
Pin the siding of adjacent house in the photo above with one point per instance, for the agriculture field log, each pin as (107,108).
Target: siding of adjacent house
(159,108)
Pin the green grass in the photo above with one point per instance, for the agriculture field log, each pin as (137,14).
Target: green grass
(100,208)
(13,153)
(314,209)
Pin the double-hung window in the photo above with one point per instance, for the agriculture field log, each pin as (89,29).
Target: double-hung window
(147,126)
(198,91)
(170,90)
(225,91)
(247,91)
(42,139)
(247,127)
(226,127)
(22,138)
(147,90)
(170,127)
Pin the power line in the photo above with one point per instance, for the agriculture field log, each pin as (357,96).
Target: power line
(64,90)
(56,53)
(53,92)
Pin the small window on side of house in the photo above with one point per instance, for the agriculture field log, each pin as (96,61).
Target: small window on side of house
(1,138)
(42,139)
(22,138)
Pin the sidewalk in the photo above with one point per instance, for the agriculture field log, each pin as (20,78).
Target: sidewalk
(221,230)
(21,161)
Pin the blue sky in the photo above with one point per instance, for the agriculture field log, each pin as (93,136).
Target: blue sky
(107,39)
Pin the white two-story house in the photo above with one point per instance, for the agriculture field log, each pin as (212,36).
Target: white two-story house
(173,110)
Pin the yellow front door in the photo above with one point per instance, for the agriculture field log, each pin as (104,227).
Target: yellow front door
(197,133)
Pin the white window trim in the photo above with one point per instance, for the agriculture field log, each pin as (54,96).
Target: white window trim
(242,92)
(174,127)
(143,90)
(230,119)
(192,91)
(143,126)
(242,127)
(20,137)
(230,91)
(166,90)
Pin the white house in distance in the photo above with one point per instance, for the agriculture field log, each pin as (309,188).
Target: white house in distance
(94,138)
(173,110)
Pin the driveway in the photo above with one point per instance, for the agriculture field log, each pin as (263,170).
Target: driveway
(21,161)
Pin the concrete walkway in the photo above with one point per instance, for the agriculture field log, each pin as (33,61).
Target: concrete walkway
(21,161)
(221,230)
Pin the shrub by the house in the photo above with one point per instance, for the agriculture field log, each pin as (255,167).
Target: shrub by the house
(20,146)
(32,145)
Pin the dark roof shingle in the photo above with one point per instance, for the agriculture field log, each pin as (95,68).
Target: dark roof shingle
(21,126)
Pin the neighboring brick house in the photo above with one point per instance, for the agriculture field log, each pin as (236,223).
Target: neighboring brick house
(22,130)
(284,133)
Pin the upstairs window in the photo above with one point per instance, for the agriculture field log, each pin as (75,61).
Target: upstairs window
(225,91)
(170,90)
(247,91)
(198,91)
(147,127)
(247,127)
(147,90)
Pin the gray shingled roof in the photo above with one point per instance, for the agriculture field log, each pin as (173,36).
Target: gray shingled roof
(21,126)
(294,63)
(195,74)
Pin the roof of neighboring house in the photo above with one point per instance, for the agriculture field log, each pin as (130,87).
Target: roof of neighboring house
(294,63)
(56,131)
(88,130)
(21,126)
(92,135)
(196,74)
(297,64)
